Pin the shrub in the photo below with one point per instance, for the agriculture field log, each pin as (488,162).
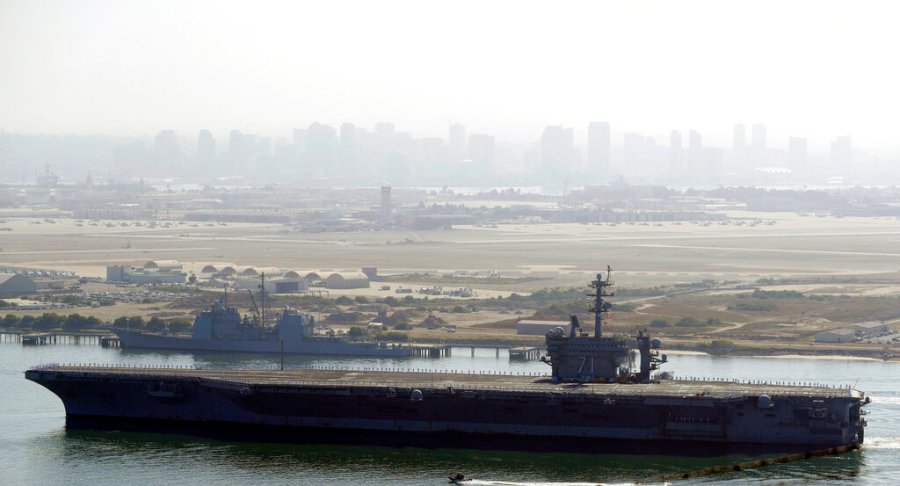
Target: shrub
(753,306)
(688,322)
(356,331)
(659,323)
(11,321)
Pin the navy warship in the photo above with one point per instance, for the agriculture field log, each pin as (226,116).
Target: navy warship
(222,328)
(592,397)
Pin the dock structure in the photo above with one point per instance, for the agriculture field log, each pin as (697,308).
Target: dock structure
(431,350)
(515,352)
(524,353)
(42,338)
(10,336)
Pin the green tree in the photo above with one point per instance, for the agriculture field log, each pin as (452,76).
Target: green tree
(11,321)
(48,321)
(27,322)
(156,324)
(357,331)
(180,324)
(136,322)
(74,322)
(688,322)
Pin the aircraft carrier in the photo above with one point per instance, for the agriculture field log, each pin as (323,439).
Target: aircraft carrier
(590,394)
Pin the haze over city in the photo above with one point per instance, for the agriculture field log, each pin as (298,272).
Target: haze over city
(812,69)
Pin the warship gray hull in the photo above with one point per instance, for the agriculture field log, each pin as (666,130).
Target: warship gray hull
(487,407)
(313,346)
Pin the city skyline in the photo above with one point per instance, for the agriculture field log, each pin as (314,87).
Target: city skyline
(127,68)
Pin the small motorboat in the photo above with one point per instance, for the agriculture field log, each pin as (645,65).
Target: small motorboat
(458,478)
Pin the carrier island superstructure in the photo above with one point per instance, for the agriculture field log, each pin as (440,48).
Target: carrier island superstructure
(591,396)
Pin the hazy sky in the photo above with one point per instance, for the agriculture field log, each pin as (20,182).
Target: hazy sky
(815,69)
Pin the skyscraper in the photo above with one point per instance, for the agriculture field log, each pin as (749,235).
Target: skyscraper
(457,142)
(695,153)
(557,148)
(676,155)
(481,152)
(206,151)
(165,152)
(797,154)
(321,147)
(598,148)
(348,145)
(740,137)
(758,146)
(842,152)
(758,140)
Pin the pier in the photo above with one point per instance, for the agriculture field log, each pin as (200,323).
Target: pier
(525,353)
(431,350)
(43,338)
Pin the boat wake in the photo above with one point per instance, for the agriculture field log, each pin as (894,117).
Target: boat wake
(885,400)
(882,443)
(482,482)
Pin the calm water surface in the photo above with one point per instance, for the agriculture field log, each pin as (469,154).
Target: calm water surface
(38,450)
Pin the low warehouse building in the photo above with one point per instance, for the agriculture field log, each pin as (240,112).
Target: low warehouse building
(347,280)
(215,268)
(162,266)
(842,335)
(527,327)
(16,284)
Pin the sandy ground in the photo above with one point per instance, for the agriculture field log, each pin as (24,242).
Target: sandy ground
(563,255)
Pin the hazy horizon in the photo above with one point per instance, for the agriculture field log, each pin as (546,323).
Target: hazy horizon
(811,69)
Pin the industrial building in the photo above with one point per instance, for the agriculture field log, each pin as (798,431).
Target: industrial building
(347,280)
(215,268)
(141,275)
(277,285)
(853,332)
(527,327)
(12,284)
(840,335)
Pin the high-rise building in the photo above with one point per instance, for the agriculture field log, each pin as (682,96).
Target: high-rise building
(695,140)
(165,152)
(206,150)
(299,137)
(321,147)
(676,154)
(457,142)
(842,152)
(695,160)
(797,154)
(481,152)
(598,148)
(758,137)
(557,148)
(740,137)
(757,156)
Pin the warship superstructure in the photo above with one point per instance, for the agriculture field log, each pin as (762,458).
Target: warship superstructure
(591,394)
(222,328)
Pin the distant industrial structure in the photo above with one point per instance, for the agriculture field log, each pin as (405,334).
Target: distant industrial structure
(853,332)
(13,284)
(152,272)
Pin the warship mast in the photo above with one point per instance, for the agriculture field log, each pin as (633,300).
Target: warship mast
(599,307)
